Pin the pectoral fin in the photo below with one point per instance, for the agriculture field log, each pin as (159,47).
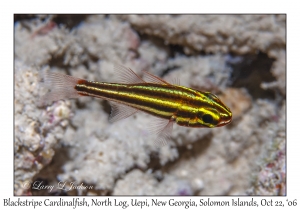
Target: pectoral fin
(161,130)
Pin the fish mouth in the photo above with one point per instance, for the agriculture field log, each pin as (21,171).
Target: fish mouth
(224,122)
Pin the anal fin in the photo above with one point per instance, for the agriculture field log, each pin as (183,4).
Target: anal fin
(120,111)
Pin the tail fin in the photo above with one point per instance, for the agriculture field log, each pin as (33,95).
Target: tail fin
(61,86)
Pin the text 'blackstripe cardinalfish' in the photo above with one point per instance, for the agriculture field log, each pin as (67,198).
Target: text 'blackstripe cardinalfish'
(171,103)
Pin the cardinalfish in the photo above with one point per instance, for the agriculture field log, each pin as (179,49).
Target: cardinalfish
(169,103)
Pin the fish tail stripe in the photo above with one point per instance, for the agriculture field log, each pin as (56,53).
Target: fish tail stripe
(140,101)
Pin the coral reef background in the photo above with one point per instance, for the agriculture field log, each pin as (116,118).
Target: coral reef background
(240,58)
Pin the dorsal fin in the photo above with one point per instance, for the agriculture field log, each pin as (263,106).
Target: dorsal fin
(174,80)
(154,79)
(125,75)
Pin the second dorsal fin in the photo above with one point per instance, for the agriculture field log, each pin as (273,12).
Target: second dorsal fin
(126,75)
(173,80)
(154,79)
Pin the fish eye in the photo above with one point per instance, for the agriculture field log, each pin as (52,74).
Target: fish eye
(207,118)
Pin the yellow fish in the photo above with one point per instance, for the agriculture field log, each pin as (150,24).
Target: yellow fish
(171,103)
